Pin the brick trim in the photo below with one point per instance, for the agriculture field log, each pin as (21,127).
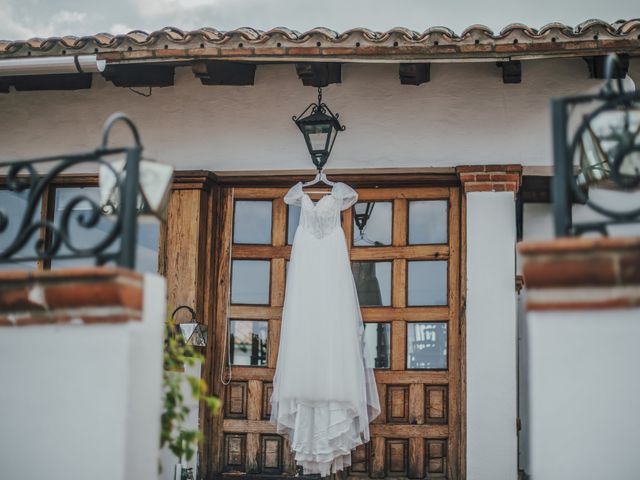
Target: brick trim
(490,178)
(578,274)
(72,296)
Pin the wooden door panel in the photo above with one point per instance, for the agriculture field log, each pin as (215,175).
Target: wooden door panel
(417,434)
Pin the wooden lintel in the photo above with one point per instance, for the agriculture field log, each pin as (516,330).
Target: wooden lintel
(223,72)
(596,66)
(140,75)
(58,81)
(414,73)
(511,71)
(537,189)
(319,74)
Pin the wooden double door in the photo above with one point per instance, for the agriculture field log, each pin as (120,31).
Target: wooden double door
(404,246)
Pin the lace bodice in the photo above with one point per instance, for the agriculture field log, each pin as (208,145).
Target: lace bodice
(323,217)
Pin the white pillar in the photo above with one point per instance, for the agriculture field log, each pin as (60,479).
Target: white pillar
(491,336)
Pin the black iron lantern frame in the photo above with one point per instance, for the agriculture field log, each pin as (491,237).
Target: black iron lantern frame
(568,182)
(320,129)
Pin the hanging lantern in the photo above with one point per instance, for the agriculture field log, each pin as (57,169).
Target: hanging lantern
(601,149)
(361,215)
(320,129)
(154,189)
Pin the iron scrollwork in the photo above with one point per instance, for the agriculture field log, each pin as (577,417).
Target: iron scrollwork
(612,159)
(117,244)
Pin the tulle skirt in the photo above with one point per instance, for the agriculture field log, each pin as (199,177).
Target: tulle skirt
(324,393)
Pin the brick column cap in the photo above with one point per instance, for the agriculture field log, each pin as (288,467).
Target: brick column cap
(582,273)
(77,295)
(490,178)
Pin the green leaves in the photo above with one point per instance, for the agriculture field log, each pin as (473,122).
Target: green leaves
(173,434)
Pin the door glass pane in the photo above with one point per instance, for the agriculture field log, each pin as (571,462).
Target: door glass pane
(293,218)
(427,345)
(250,282)
(148,241)
(428,222)
(252,222)
(373,283)
(372,223)
(427,283)
(13,206)
(148,244)
(248,342)
(377,340)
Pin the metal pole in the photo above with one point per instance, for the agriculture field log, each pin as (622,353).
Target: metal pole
(129,209)
(562,170)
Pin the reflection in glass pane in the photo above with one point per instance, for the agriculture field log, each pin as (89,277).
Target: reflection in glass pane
(293,218)
(428,222)
(427,283)
(252,222)
(250,282)
(372,222)
(377,340)
(373,283)
(427,345)
(13,205)
(248,342)
(148,231)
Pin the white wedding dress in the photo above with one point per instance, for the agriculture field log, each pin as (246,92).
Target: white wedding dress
(324,395)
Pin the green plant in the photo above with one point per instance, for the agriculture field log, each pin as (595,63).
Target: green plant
(181,441)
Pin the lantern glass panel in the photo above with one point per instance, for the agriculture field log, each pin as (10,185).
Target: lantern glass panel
(318,134)
(608,128)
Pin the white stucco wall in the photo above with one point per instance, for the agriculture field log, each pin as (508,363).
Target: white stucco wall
(83,401)
(491,337)
(464,115)
(583,394)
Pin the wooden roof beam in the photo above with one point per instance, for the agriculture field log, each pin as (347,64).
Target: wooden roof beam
(58,81)
(414,73)
(511,71)
(596,66)
(224,72)
(319,74)
(140,75)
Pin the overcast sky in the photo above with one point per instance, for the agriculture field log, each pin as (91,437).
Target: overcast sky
(22,19)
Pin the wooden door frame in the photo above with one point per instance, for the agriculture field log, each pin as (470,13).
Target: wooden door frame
(218,239)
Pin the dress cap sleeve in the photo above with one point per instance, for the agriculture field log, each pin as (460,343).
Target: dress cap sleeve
(294,195)
(345,194)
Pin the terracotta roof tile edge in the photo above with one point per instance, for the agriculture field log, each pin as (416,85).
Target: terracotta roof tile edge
(593,35)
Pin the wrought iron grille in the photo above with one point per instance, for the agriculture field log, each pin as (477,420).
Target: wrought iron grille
(570,181)
(117,244)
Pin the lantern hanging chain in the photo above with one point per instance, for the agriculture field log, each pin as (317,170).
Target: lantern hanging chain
(319,96)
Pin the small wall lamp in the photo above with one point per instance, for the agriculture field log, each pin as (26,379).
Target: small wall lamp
(194,333)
